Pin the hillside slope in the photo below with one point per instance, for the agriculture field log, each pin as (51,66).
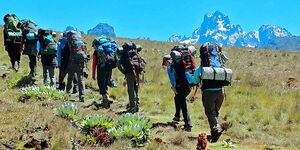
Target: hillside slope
(263,108)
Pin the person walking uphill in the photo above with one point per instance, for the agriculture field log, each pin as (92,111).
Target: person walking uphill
(167,61)
(131,65)
(182,61)
(63,53)
(13,39)
(30,40)
(213,77)
(48,52)
(104,60)
(77,61)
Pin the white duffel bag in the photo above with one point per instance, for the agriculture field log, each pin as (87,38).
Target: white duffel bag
(220,74)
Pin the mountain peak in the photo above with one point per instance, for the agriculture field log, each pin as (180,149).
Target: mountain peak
(102,29)
(217,28)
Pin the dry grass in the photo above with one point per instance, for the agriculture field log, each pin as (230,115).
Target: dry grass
(263,110)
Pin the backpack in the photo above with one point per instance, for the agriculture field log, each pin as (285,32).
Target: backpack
(131,61)
(183,55)
(12,30)
(30,30)
(106,52)
(214,75)
(77,47)
(48,44)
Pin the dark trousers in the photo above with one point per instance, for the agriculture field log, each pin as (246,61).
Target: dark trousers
(103,78)
(212,102)
(32,64)
(132,89)
(61,84)
(14,53)
(180,104)
(76,71)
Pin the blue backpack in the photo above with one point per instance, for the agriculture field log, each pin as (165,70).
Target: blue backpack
(210,55)
(105,52)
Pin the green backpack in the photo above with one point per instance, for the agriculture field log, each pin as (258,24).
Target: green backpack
(47,42)
(49,45)
(11,29)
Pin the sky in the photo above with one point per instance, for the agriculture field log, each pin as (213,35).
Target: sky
(156,19)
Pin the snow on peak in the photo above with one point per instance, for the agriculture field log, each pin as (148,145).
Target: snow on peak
(217,28)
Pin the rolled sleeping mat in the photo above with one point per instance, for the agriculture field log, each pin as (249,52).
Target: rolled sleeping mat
(176,56)
(192,49)
(220,74)
(138,48)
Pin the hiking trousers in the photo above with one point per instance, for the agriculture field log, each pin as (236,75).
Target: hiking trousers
(61,77)
(14,53)
(103,78)
(76,70)
(49,72)
(132,89)
(180,104)
(32,64)
(212,102)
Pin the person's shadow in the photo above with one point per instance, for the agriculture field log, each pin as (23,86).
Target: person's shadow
(164,125)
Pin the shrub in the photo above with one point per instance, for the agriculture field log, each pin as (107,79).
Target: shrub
(89,123)
(42,92)
(68,111)
(133,126)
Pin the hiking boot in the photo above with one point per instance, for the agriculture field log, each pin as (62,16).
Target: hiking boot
(133,110)
(215,135)
(81,99)
(74,91)
(105,102)
(176,119)
(186,128)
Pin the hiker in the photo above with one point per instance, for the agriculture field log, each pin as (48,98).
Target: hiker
(213,77)
(76,62)
(48,53)
(104,61)
(131,65)
(30,39)
(62,63)
(167,61)
(13,39)
(182,61)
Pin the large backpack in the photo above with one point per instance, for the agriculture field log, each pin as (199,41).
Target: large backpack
(106,48)
(183,55)
(214,75)
(12,30)
(30,30)
(48,44)
(131,61)
(77,47)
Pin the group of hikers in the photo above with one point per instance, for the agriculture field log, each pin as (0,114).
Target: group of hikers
(70,55)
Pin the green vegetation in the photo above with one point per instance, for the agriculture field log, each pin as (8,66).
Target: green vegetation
(263,108)
(41,92)
(68,111)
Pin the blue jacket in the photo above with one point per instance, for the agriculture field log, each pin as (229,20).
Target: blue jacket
(60,46)
(171,76)
(195,79)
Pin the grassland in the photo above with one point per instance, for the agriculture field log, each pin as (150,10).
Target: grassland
(263,108)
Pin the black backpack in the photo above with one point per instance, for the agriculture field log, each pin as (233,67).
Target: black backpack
(130,59)
(30,30)
(184,54)
(77,47)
